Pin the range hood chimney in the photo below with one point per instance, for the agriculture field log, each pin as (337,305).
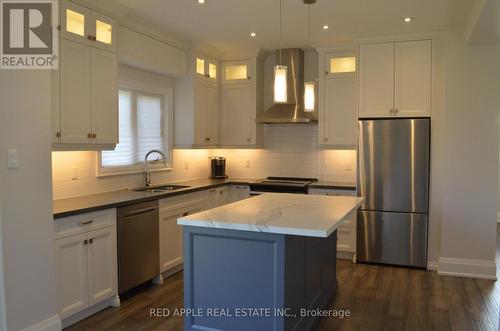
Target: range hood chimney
(293,110)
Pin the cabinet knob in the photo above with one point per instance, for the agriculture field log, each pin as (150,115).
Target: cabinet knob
(185,214)
(248,77)
(207,139)
(248,139)
(326,139)
(94,38)
(85,242)
(91,241)
(89,37)
(89,136)
(395,111)
(94,135)
(326,72)
(58,134)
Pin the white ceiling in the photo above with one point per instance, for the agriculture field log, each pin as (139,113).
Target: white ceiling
(226,24)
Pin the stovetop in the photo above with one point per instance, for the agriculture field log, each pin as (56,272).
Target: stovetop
(286,181)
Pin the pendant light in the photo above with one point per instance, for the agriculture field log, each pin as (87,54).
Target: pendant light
(280,74)
(309,87)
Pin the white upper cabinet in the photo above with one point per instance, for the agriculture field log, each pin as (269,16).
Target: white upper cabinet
(75,93)
(376,80)
(338,117)
(237,72)
(236,114)
(206,112)
(85,97)
(412,72)
(104,97)
(86,26)
(196,112)
(395,79)
(241,98)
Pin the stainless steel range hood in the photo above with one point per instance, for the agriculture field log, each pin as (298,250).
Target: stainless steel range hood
(293,110)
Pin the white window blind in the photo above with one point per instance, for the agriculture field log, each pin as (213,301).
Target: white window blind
(142,127)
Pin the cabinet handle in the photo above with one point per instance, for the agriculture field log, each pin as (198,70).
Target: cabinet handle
(248,77)
(85,242)
(94,38)
(248,139)
(326,139)
(89,136)
(207,139)
(58,134)
(89,37)
(91,241)
(86,222)
(94,135)
(185,214)
(395,111)
(326,72)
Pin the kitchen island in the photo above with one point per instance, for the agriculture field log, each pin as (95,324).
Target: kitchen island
(264,263)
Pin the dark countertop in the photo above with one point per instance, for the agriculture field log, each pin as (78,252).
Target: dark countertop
(99,201)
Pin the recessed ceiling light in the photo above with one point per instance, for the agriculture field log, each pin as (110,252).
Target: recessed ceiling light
(325,27)
(201,1)
(408,19)
(253,34)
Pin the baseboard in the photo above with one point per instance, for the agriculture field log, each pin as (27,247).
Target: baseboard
(52,323)
(467,268)
(345,255)
(70,320)
(432,265)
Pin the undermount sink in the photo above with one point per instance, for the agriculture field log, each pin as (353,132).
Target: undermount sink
(160,189)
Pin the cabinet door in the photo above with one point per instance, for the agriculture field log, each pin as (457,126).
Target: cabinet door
(236,114)
(75,73)
(76,22)
(104,97)
(339,113)
(223,196)
(103,32)
(170,239)
(236,72)
(376,80)
(102,264)
(412,90)
(240,193)
(206,112)
(71,260)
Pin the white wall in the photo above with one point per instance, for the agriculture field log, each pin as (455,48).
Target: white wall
(469,157)
(26,195)
(291,150)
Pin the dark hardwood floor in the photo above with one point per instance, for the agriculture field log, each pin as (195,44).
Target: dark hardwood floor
(378,298)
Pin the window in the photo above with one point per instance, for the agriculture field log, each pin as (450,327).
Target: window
(144,124)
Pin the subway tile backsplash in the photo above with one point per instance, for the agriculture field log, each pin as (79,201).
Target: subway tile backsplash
(289,150)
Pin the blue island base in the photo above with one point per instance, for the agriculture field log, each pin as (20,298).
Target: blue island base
(242,280)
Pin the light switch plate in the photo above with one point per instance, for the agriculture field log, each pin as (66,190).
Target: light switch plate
(12,161)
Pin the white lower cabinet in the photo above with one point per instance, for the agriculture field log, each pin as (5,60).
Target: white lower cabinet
(346,233)
(171,232)
(217,197)
(240,192)
(85,250)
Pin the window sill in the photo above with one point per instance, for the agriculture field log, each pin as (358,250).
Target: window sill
(108,173)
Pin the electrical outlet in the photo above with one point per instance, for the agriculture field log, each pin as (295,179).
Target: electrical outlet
(12,161)
(247,164)
(186,165)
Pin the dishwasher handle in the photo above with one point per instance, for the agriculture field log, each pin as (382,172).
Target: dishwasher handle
(140,212)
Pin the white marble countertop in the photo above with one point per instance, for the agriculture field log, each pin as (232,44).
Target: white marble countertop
(294,214)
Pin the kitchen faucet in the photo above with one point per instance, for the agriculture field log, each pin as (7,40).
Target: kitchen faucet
(147,174)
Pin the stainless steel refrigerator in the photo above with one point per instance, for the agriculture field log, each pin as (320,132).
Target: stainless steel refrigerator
(393,176)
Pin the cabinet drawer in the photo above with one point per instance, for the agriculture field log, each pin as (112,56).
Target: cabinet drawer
(72,225)
(181,200)
(346,239)
(332,192)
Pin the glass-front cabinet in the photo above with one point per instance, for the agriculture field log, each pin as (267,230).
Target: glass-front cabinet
(340,65)
(205,68)
(236,71)
(88,27)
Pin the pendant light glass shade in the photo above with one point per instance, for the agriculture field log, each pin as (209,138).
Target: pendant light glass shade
(280,84)
(309,96)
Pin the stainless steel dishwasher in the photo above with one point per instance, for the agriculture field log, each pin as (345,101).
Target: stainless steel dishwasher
(138,244)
